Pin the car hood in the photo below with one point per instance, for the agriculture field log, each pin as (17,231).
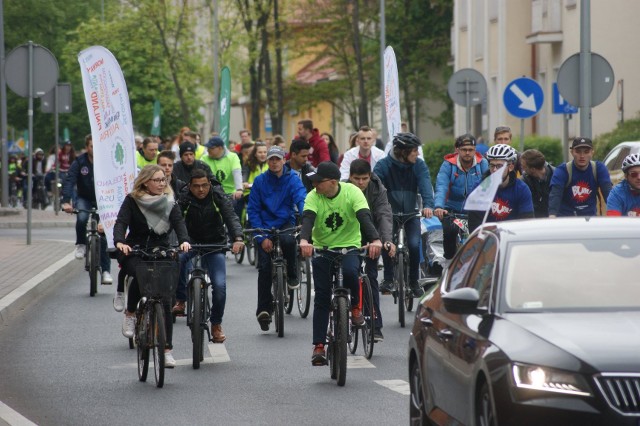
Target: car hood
(607,341)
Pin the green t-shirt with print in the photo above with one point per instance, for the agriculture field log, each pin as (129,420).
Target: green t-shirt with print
(336,224)
(222,168)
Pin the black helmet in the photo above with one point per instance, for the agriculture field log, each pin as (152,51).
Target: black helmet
(406,140)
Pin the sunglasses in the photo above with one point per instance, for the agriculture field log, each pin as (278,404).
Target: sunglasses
(633,174)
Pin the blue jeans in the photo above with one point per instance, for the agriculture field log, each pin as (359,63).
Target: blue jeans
(214,264)
(412,236)
(322,280)
(288,245)
(81,232)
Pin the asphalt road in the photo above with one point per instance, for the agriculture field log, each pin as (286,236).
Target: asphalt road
(65,361)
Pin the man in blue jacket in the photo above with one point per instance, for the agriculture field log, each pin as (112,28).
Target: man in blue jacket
(459,174)
(405,175)
(274,196)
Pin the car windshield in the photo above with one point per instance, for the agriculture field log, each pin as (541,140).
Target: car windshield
(569,275)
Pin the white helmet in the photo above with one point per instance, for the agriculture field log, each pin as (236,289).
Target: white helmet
(630,160)
(502,152)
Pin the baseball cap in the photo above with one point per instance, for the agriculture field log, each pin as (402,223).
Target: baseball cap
(580,141)
(326,170)
(214,141)
(275,151)
(187,147)
(466,139)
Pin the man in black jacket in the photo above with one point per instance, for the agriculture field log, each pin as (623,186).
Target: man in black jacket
(206,209)
(188,163)
(376,194)
(537,175)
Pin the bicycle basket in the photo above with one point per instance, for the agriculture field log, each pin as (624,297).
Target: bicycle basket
(157,278)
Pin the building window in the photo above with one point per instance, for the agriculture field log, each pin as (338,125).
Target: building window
(570,4)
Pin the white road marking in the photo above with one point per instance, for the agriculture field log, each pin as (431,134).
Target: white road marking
(218,352)
(399,386)
(12,417)
(358,361)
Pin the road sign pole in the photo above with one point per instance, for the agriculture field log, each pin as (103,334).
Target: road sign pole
(3,116)
(467,92)
(30,149)
(56,193)
(521,134)
(585,68)
(565,137)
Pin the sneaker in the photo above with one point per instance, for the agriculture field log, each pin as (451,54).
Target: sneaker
(169,360)
(319,357)
(264,318)
(293,283)
(118,301)
(217,335)
(178,308)
(377,335)
(129,326)
(106,278)
(356,317)
(416,290)
(80,250)
(386,287)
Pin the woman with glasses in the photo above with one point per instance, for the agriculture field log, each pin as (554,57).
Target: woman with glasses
(147,216)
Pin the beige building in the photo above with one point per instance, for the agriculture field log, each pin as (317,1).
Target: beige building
(508,39)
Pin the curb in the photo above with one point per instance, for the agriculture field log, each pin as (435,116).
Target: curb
(23,225)
(16,301)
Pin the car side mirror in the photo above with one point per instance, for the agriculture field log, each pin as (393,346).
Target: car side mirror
(463,301)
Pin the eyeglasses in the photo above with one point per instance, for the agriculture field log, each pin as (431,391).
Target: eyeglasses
(633,174)
(159,180)
(495,166)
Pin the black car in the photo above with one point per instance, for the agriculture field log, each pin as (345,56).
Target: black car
(534,322)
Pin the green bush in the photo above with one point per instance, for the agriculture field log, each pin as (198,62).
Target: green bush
(627,131)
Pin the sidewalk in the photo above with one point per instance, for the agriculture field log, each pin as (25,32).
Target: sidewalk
(28,271)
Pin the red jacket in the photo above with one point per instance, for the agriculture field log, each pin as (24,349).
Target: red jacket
(319,151)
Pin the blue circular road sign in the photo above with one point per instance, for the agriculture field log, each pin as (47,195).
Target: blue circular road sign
(523,97)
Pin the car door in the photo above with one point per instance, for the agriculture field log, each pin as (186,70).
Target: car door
(439,362)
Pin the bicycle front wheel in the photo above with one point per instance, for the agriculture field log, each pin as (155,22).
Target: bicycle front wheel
(240,256)
(304,291)
(159,343)
(341,329)
(250,246)
(279,296)
(142,342)
(197,331)
(400,274)
(368,310)
(94,264)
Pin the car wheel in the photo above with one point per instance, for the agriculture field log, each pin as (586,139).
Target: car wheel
(484,407)
(417,413)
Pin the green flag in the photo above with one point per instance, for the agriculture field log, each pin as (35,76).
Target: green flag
(155,125)
(65,133)
(224,109)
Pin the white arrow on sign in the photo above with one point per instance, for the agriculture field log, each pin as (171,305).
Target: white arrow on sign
(526,102)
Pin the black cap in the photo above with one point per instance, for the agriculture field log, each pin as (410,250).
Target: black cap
(580,141)
(326,170)
(187,147)
(466,139)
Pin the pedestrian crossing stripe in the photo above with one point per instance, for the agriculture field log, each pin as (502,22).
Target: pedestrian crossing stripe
(218,352)
(399,386)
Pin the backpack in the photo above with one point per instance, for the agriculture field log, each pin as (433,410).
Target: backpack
(601,206)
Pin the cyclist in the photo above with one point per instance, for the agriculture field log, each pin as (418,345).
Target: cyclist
(80,176)
(37,162)
(575,185)
(226,168)
(188,163)
(624,198)
(206,210)
(405,175)
(513,198)
(146,217)
(376,194)
(459,174)
(536,173)
(335,213)
(298,162)
(365,150)
(273,200)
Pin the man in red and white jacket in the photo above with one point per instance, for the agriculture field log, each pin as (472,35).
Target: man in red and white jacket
(319,151)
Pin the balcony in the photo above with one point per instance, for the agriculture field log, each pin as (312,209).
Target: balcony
(546,22)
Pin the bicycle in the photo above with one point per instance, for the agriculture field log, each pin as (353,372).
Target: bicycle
(92,254)
(339,328)
(402,295)
(367,308)
(157,278)
(249,244)
(198,305)
(279,289)
(40,198)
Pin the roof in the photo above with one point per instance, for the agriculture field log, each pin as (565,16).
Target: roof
(317,70)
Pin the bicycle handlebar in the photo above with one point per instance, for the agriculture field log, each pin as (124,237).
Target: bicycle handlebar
(77,211)
(272,231)
(156,252)
(360,251)
(202,248)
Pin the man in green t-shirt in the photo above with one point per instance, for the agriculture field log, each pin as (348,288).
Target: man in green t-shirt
(336,215)
(225,167)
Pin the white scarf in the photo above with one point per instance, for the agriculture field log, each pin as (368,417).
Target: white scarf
(156,209)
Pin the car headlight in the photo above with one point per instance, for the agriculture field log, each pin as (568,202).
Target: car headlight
(548,380)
